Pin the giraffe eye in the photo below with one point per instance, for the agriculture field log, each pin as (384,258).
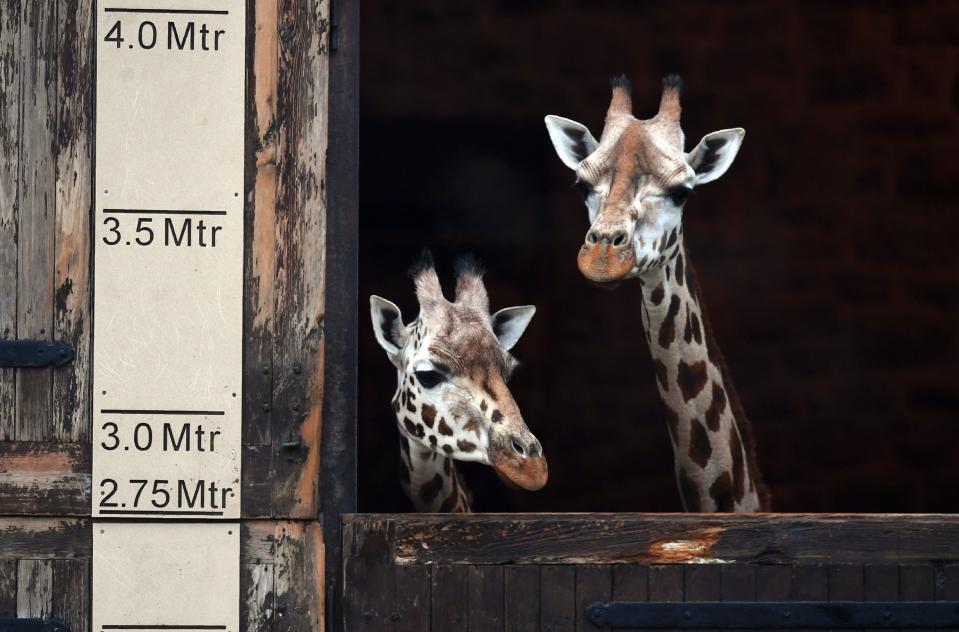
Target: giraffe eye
(429,379)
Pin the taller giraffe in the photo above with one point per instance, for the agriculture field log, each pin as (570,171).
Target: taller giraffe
(451,400)
(635,181)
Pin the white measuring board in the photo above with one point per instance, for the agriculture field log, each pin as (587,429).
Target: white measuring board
(168,258)
(172,580)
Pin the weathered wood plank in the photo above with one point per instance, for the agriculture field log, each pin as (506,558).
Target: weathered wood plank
(485,598)
(557,598)
(9,180)
(44,479)
(773,583)
(845,582)
(412,598)
(917,582)
(449,590)
(703,582)
(666,583)
(70,601)
(630,582)
(260,225)
(34,589)
(674,538)
(257,496)
(256,602)
(45,538)
(880,582)
(738,582)
(368,570)
(300,247)
(593,583)
(8,588)
(36,210)
(74,174)
(298,579)
(947,588)
(521,610)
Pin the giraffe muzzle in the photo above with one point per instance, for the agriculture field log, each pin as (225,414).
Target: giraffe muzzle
(606,256)
(519,461)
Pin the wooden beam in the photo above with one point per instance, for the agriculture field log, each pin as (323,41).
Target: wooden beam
(665,538)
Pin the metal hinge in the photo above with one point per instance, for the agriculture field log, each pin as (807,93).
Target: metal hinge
(32,625)
(34,353)
(776,615)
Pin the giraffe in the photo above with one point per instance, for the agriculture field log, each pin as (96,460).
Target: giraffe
(451,400)
(635,181)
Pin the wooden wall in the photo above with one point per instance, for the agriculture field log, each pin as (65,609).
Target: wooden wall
(528,572)
(46,180)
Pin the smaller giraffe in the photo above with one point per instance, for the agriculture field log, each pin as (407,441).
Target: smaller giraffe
(451,399)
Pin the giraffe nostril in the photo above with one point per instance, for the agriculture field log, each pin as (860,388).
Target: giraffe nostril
(535,449)
(518,447)
(619,238)
(592,237)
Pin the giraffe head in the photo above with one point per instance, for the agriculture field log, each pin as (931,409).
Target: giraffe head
(452,365)
(636,179)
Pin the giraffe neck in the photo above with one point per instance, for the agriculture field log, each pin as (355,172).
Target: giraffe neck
(711,437)
(431,481)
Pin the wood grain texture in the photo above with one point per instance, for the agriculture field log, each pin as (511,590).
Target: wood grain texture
(9,200)
(522,598)
(34,589)
(412,598)
(70,601)
(36,210)
(256,600)
(557,598)
(8,588)
(45,538)
(298,581)
(73,205)
(301,112)
(673,538)
(44,479)
(485,598)
(593,583)
(260,226)
(449,602)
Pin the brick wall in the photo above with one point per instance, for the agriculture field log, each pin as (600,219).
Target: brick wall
(828,253)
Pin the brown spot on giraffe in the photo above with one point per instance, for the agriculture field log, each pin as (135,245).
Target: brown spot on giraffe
(699,448)
(431,488)
(717,406)
(691,378)
(497,416)
(680,274)
(465,446)
(483,406)
(667,330)
(697,332)
(721,491)
(657,294)
(429,415)
(444,428)
(473,426)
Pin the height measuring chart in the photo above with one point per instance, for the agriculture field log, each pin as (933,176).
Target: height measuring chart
(168,279)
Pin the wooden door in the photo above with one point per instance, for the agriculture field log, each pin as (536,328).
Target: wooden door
(529,572)
(294,203)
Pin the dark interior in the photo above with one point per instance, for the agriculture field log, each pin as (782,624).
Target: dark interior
(827,253)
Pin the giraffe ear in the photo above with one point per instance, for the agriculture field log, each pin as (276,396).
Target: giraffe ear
(572,141)
(388,326)
(510,323)
(714,153)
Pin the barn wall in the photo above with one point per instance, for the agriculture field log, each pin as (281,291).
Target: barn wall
(46,181)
